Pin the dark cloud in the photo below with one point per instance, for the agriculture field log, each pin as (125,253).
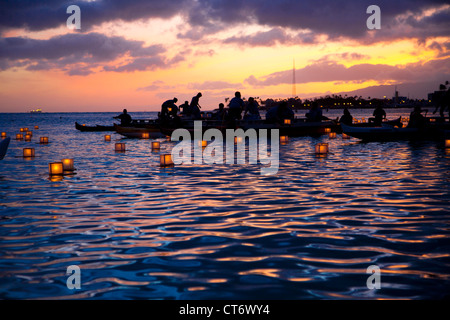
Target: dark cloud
(334,18)
(271,37)
(324,71)
(80,54)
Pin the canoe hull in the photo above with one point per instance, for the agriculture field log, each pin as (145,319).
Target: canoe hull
(97,128)
(136,132)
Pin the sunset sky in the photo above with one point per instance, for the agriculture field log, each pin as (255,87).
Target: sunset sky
(137,54)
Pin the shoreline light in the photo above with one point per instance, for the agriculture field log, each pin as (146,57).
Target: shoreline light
(156,145)
(107,137)
(68,165)
(43,140)
(120,147)
(166,160)
(56,169)
(332,135)
(322,148)
(28,152)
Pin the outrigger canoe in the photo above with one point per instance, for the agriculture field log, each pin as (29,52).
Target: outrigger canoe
(391,133)
(4,147)
(152,130)
(86,128)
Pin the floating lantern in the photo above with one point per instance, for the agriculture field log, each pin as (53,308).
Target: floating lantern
(28,152)
(322,148)
(107,137)
(3,134)
(345,136)
(156,145)
(447,143)
(327,130)
(68,165)
(25,129)
(166,160)
(27,137)
(203,143)
(332,135)
(284,139)
(432,120)
(167,138)
(287,121)
(120,147)
(169,109)
(19,136)
(36,127)
(56,168)
(22,129)
(30,133)
(145,135)
(44,140)
(238,140)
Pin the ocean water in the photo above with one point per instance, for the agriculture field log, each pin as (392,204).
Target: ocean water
(199,231)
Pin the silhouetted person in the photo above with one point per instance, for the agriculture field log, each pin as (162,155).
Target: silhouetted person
(236,106)
(315,114)
(251,110)
(220,114)
(278,113)
(416,119)
(346,118)
(195,106)
(167,108)
(184,108)
(379,115)
(125,118)
(442,101)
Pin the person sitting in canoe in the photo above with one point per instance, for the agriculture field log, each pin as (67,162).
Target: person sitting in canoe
(315,114)
(416,119)
(125,118)
(346,118)
(236,106)
(220,114)
(251,110)
(184,108)
(278,113)
(379,115)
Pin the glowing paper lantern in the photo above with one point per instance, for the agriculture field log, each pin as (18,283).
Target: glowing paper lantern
(36,127)
(107,137)
(327,130)
(19,136)
(447,143)
(322,148)
(27,137)
(156,145)
(25,129)
(145,135)
(203,143)
(287,121)
(44,140)
(345,136)
(284,139)
(166,160)
(67,164)
(56,168)
(3,134)
(30,133)
(120,147)
(28,152)
(22,129)
(332,135)
(238,140)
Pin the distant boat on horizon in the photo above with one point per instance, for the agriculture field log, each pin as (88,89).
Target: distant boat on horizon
(36,111)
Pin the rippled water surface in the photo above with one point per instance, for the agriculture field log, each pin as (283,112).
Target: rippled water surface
(138,231)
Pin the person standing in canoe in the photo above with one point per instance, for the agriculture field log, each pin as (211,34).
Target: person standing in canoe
(167,108)
(125,118)
(195,106)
